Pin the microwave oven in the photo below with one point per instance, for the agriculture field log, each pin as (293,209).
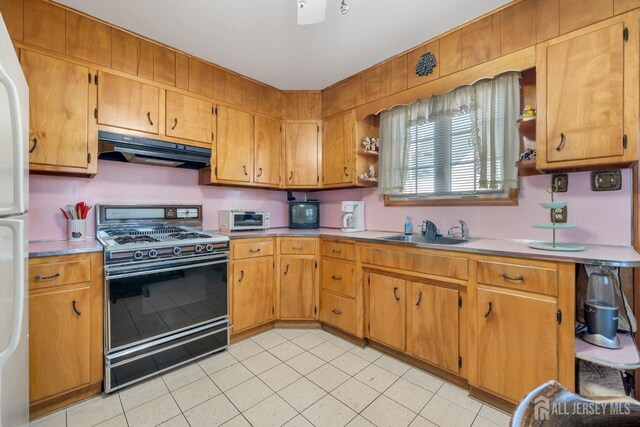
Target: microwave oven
(304,214)
(243,220)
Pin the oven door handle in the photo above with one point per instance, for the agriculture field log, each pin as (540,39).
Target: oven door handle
(163,270)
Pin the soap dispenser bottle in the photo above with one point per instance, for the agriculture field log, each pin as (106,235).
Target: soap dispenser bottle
(408,226)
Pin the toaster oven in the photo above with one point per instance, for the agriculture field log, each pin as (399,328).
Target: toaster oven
(243,220)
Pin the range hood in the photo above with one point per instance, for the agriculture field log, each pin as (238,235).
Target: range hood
(127,148)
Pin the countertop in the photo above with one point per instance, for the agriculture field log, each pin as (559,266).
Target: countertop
(40,248)
(615,256)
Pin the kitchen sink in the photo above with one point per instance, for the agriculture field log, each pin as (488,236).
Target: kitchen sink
(416,238)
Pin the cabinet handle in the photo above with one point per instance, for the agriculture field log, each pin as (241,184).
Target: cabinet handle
(286,270)
(562,140)
(507,277)
(175,123)
(259,172)
(149,118)
(336,251)
(53,276)
(419,298)
(75,307)
(297,248)
(244,168)
(345,171)
(254,250)
(488,313)
(291,176)
(241,276)
(336,278)
(395,294)
(35,144)
(337,312)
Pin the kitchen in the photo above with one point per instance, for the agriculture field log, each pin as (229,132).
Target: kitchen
(349,320)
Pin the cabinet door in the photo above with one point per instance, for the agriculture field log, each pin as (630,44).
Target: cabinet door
(336,150)
(517,342)
(387,310)
(585,96)
(234,145)
(58,110)
(433,335)
(268,151)
(252,293)
(301,153)
(189,118)
(297,288)
(127,103)
(59,342)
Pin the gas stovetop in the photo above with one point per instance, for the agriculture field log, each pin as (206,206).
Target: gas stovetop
(154,234)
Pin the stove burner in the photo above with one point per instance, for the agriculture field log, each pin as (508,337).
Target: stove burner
(123,240)
(186,235)
(121,231)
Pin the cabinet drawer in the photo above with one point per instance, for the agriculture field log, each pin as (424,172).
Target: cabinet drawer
(252,249)
(339,277)
(522,277)
(337,249)
(298,246)
(338,311)
(418,262)
(46,275)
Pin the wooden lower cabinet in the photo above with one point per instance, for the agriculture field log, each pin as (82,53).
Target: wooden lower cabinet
(338,311)
(297,287)
(252,293)
(387,310)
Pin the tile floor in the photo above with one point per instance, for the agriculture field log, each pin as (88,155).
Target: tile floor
(287,377)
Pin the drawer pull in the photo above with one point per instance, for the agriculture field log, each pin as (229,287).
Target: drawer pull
(395,294)
(53,276)
(254,250)
(336,312)
(75,307)
(175,123)
(241,276)
(244,169)
(507,277)
(488,313)
(419,298)
(336,251)
(259,172)
(286,270)
(298,248)
(562,140)
(336,278)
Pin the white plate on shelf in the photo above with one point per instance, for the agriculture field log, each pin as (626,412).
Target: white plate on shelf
(553,205)
(559,246)
(555,226)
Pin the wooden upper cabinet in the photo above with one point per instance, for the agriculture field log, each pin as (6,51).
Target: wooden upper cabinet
(372,84)
(13,14)
(481,41)
(164,65)
(145,59)
(547,19)
(337,99)
(393,76)
(127,103)
(252,293)
(337,146)
(200,77)
(518,26)
(515,330)
(58,110)
(357,89)
(297,287)
(269,101)
(621,6)
(189,118)
(450,59)
(44,25)
(576,14)
(415,55)
(387,310)
(584,96)
(301,105)
(88,39)
(301,154)
(124,51)
(182,71)
(267,151)
(234,145)
(249,95)
(233,88)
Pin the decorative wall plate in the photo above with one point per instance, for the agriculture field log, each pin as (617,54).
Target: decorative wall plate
(425,64)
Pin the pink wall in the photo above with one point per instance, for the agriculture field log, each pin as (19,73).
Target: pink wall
(131,183)
(602,218)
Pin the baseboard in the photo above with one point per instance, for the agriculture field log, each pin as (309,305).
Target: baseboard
(493,400)
(46,406)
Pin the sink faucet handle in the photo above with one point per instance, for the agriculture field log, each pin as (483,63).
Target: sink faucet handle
(464,229)
(452,233)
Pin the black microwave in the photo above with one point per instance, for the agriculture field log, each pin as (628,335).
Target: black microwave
(304,214)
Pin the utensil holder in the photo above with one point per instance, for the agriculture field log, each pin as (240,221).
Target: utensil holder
(76,230)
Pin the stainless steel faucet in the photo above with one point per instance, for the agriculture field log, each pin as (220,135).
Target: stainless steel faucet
(464,230)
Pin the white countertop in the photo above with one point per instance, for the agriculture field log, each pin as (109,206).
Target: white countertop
(40,248)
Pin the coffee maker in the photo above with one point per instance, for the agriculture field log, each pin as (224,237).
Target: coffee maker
(352,216)
(601,311)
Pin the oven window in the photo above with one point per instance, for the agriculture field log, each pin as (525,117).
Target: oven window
(247,220)
(304,214)
(156,304)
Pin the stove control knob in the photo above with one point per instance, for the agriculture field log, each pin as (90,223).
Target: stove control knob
(198,248)
(153,253)
(177,251)
(209,247)
(138,255)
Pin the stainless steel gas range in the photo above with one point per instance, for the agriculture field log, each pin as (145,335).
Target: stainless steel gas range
(166,297)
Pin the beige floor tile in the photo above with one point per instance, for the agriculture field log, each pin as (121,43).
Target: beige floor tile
(460,397)
(261,362)
(384,412)
(392,365)
(183,375)
(359,421)
(329,412)
(212,413)
(305,363)
(342,343)
(494,415)
(355,395)
(179,421)
(327,351)
(153,413)
(366,353)
(377,378)
(350,363)
(445,413)
(408,395)
(94,411)
(302,394)
(245,349)
(195,393)
(138,394)
(216,362)
(290,333)
(286,351)
(328,377)
(279,376)
(422,422)
(271,412)
(322,334)
(57,419)
(117,421)
(483,422)
(269,339)
(231,376)
(238,421)
(424,380)
(308,341)
(298,421)
(247,394)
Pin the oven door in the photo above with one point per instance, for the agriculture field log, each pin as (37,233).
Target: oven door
(146,305)
(247,221)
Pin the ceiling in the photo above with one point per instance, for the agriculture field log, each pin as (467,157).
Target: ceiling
(261,39)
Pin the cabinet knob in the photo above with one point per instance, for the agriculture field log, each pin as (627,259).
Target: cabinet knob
(336,312)
(336,278)
(254,250)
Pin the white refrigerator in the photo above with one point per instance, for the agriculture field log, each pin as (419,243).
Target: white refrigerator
(14,327)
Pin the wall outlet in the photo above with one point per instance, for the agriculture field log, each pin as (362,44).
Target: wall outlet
(559,215)
(560,181)
(610,180)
